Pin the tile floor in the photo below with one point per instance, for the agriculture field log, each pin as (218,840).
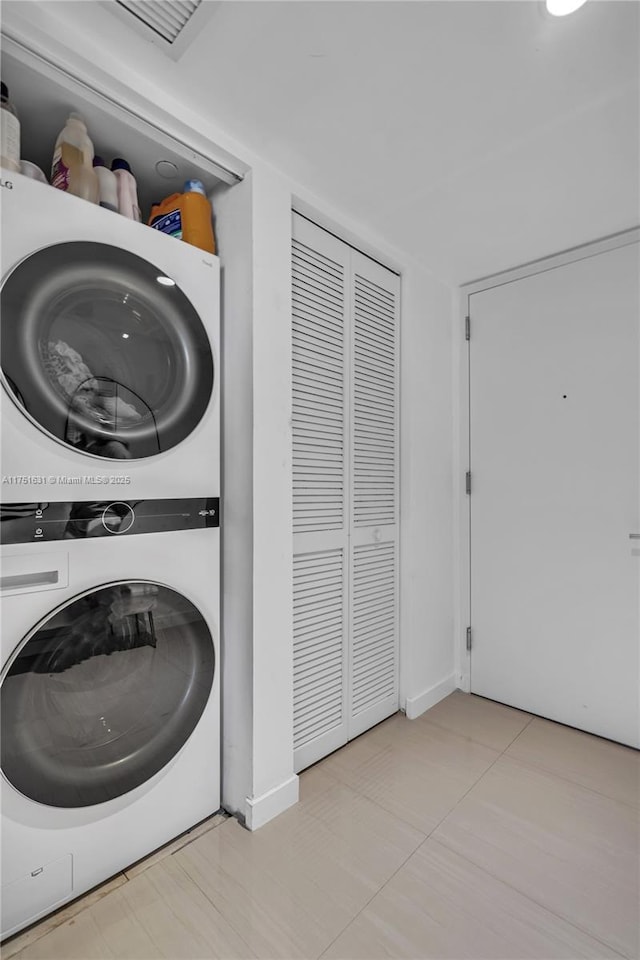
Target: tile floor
(475,831)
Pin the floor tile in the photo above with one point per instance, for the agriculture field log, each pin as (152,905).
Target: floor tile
(209,824)
(11,947)
(481,720)
(441,905)
(416,771)
(77,939)
(570,849)
(535,855)
(292,886)
(159,914)
(356,752)
(314,781)
(601,765)
(380,842)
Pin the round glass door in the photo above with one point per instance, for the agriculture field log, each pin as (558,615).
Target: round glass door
(103,693)
(103,351)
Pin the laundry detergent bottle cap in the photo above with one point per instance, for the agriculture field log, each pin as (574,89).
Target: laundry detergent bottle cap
(194,186)
(98,162)
(120,164)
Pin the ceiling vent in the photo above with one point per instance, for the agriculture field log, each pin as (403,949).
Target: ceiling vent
(170,24)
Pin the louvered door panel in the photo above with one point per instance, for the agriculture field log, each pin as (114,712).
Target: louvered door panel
(373,631)
(319,591)
(374,404)
(320,486)
(374,614)
(319,460)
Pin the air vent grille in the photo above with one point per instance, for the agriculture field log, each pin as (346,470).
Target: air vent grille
(167,18)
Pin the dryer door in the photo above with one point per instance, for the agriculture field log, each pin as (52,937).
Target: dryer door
(103,351)
(103,693)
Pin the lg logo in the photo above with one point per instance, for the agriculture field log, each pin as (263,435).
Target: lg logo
(7,184)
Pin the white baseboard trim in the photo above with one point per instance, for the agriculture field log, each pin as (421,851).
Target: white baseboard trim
(417,705)
(264,808)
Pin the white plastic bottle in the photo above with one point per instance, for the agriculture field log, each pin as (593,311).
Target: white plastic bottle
(107,184)
(72,168)
(9,134)
(127,190)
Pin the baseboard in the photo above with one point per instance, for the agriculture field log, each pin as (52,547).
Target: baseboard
(264,808)
(417,705)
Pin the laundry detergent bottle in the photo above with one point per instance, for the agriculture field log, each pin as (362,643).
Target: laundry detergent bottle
(107,184)
(72,168)
(10,133)
(128,204)
(186,216)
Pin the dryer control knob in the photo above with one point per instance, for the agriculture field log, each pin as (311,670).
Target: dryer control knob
(118,517)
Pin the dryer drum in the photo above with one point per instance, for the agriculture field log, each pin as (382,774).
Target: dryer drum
(103,693)
(102,356)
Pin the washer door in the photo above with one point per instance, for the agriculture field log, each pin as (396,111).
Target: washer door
(103,693)
(103,351)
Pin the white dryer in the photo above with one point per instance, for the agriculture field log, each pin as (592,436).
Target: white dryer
(110,693)
(110,353)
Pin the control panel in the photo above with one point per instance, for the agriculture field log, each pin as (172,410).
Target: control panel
(78,520)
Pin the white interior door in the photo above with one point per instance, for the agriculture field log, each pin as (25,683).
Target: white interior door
(320,375)
(554,456)
(373,636)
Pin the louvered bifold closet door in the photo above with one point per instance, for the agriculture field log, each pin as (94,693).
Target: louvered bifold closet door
(373,634)
(320,297)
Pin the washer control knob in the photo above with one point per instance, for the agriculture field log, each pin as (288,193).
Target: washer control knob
(118,517)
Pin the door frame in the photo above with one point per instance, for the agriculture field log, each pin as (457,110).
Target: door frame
(462,438)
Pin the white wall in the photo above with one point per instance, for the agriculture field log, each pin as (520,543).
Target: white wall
(426,581)
(254,230)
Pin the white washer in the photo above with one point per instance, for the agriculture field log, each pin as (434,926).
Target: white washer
(110,696)
(110,353)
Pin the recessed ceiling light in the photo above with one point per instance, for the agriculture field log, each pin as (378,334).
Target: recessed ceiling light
(560,8)
(125,336)
(166,281)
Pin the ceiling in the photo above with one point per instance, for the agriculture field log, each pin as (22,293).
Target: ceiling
(474,136)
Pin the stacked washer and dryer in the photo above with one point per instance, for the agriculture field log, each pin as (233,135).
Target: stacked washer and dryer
(110,699)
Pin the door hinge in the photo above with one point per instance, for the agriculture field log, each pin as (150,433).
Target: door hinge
(468,638)
(467,482)
(467,328)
